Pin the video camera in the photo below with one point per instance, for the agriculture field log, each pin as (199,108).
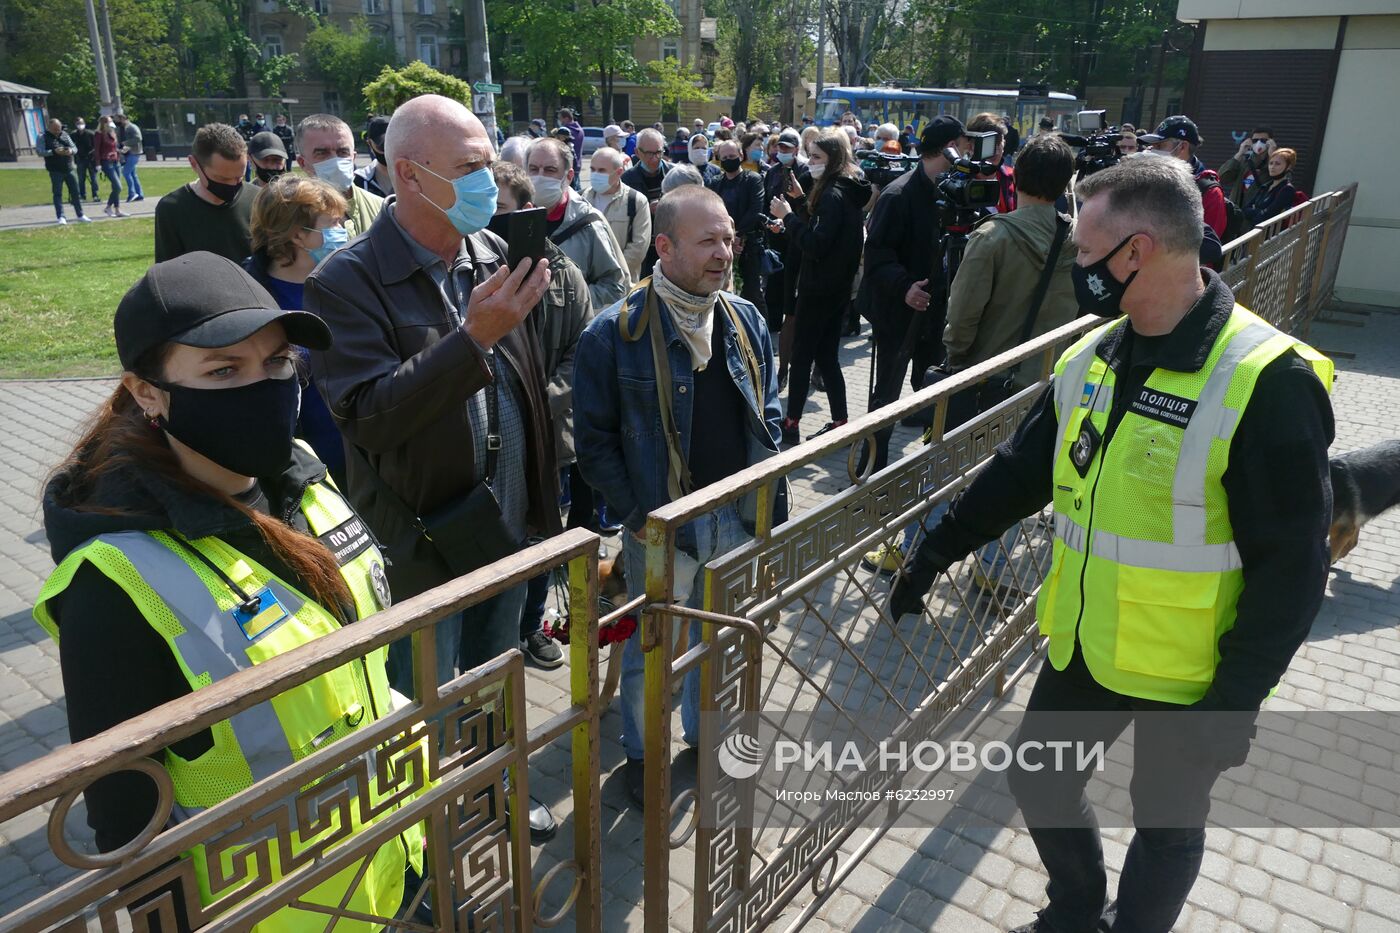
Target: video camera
(883,168)
(971,184)
(1098,144)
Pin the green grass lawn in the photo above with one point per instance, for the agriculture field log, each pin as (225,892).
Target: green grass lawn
(26,187)
(59,287)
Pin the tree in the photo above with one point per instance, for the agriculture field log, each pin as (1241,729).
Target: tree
(606,32)
(858,30)
(348,60)
(676,84)
(537,41)
(391,88)
(752,43)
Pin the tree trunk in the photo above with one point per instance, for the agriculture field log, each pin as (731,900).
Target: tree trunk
(792,72)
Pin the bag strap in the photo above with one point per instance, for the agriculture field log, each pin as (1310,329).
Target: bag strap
(631,210)
(1043,286)
(678,479)
(591,217)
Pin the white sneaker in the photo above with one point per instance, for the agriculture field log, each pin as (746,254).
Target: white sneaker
(107,212)
(62,222)
(121,213)
(85,219)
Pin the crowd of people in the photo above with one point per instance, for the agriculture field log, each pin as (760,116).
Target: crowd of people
(451,409)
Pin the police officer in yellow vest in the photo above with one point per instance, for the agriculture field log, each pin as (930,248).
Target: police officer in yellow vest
(194,539)
(1184,447)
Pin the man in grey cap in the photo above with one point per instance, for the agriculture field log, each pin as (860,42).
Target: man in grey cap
(268,157)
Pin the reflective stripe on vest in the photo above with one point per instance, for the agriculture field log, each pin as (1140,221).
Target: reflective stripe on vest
(1145,573)
(192,610)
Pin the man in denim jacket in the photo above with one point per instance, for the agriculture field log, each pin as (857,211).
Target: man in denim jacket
(724,416)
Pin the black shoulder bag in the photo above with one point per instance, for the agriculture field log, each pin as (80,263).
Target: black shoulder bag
(972,401)
(466,534)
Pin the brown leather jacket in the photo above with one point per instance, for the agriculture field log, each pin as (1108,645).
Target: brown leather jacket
(397,379)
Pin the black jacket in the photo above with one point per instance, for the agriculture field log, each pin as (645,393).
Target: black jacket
(1278,484)
(644,181)
(829,242)
(49,143)
(774,184)
(397,381)
(83,140)
(899,251)
(743,198)
(115,666)
(1266,203)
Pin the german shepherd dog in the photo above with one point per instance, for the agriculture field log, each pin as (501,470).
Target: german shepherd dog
(1365,483)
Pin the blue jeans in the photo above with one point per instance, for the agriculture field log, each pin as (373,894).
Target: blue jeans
(60,180)
(133,183)
(464,639)
(114,176)
(715,534)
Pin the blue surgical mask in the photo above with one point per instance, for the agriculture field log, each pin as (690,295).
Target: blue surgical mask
(475,201)
(339,172)
(786,157)
(548,191)
(600,181)
(332,239)
(756,156)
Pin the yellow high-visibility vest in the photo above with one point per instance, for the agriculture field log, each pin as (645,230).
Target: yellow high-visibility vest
(197,614)
(1145,572)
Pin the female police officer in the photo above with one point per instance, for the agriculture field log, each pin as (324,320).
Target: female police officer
(185,526)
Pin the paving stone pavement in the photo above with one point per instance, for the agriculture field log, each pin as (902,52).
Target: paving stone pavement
(949,877)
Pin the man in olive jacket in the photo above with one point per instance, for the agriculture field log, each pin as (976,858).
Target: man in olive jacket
(1006,253)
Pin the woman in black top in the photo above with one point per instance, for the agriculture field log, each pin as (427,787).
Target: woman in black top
(827,229)
(1275,194)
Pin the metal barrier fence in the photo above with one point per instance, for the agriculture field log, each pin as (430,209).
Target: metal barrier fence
(266,847)
(790,620)
(793,622)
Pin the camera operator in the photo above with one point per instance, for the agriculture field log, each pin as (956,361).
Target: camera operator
(901,285)
(1006,178)
(1246,167)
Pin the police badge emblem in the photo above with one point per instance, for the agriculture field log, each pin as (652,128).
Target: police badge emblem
(1081,454)
(380,582)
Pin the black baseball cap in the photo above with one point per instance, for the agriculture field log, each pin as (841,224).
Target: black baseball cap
(1177,127)
(266,144)
(203,300)
(376,128)
(941,131)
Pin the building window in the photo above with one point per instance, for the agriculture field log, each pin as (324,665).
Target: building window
(515,45)
(427,7)
(428,49)
(330,102)
(520,107)
(271,6)
(670,48)
(323,7)
(621,107)
(272,45)
(374,6)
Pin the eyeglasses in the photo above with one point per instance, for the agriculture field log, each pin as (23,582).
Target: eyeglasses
(649,152)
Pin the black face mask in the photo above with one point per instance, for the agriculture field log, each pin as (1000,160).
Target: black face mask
(731,164)
(266,175)
(247,430)
(1097,291)
(221,190)
(379,156)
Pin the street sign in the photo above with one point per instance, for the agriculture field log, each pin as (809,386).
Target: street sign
(1034,93)
(485,87)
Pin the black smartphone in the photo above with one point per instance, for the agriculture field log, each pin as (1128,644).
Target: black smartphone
(525,235)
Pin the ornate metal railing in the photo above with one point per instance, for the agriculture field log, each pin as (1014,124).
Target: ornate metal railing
(795,623)
(438,761)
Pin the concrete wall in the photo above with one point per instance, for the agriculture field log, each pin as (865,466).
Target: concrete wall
(1362,138)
